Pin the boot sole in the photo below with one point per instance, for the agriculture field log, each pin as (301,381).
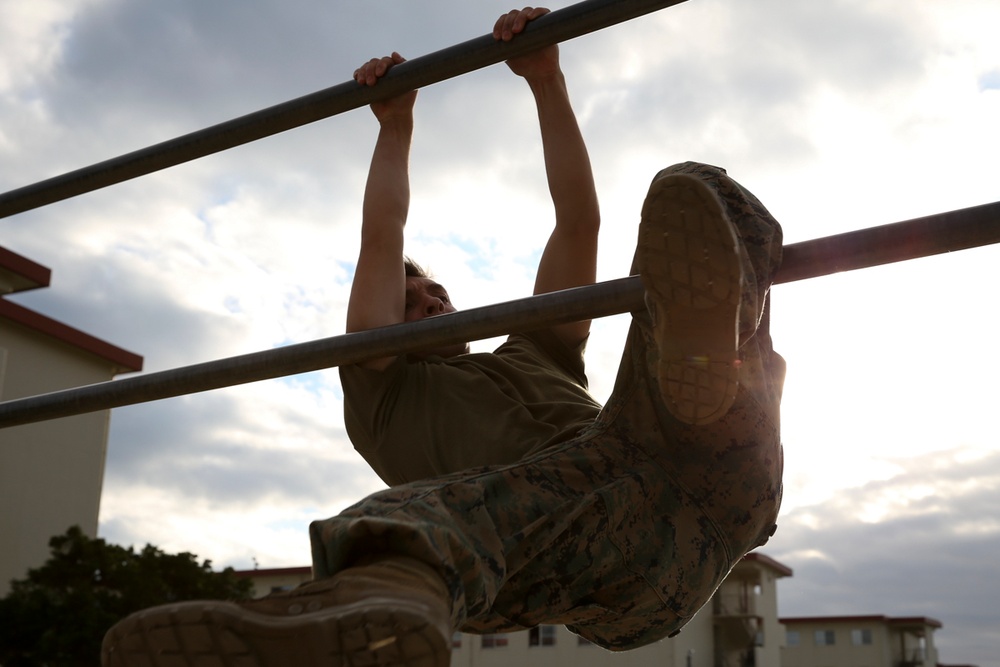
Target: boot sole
(374,632)
(689,265)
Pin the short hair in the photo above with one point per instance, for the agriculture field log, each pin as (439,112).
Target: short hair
(413,270)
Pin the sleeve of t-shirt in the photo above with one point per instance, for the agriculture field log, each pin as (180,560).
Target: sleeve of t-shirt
(569,360)
(388,412)
(408,421)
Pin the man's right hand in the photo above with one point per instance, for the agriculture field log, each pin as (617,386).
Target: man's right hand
(540,64)
(369,74)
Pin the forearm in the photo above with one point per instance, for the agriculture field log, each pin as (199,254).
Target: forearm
(570,255)
(387,191)
(378,290)
(567,163)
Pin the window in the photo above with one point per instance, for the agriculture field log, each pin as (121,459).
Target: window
(494,641)
(825,638)
(792,638)
(542,635)
(862,637)
(920,653)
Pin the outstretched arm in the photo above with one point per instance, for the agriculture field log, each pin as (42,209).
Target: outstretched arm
(378,293)
(570,256)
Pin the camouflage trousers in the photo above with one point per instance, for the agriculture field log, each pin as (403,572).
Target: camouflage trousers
(622,533)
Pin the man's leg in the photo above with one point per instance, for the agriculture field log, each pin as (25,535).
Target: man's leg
(702,285)
(728,458)
(626,531)
(622,533)
(540,541)
(497,549)
(385,610)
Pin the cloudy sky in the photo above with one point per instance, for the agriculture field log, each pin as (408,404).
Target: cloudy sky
(839,115)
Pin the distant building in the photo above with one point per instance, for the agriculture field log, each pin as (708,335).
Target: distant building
(50,472)
(877,641)
(739,627)
(276,579)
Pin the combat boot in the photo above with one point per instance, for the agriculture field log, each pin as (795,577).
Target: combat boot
(393,612)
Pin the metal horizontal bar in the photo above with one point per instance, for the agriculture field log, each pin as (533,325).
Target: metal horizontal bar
(558,26)
(537,312)
(896,242)
(920,237)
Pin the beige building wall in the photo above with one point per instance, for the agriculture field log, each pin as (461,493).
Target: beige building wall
(566,650)
(745,613)
(50,472)
(768,652)
(860,641)
(276,579)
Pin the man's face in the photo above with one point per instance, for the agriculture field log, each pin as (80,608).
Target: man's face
(426,298)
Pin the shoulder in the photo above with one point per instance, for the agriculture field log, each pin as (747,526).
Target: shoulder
(544,348)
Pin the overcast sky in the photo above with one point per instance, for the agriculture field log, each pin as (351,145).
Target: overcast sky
(839,115)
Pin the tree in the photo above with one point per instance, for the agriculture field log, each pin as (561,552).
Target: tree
(58,615)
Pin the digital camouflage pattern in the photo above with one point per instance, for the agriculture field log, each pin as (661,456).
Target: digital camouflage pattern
(625,531)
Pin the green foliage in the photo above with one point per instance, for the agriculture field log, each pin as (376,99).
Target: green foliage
(58,614)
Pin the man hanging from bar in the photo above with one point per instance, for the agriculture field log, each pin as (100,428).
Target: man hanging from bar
(515,499)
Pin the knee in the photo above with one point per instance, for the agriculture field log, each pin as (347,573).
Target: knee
(701,170)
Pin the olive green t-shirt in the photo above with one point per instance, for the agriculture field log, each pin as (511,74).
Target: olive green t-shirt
(421,419)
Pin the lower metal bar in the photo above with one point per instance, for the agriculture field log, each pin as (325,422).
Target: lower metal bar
(900,241)
(920,237)
(559,26)
(598,300)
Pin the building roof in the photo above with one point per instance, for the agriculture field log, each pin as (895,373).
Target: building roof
(18,274)
(757,557)
(274,571)
(871,618)
(281,571)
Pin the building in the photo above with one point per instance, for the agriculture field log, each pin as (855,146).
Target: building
(50,472)
(737,628)
(876,641)
(276,579)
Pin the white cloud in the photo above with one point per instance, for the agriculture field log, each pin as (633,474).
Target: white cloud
(920,557)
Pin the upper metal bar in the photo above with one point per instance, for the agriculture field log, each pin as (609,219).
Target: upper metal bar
(920,237)
(558,26)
